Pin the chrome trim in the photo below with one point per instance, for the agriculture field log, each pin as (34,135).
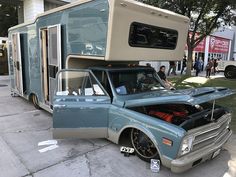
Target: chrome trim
(209,134)
(212,135)
(209,127)
(185,162)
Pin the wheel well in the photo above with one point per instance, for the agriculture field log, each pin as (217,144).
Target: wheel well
(124,138)
(230,66)
(30,98)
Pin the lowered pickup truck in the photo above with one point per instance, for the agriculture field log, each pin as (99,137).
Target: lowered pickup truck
(129,105)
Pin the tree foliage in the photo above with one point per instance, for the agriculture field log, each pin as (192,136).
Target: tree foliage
(205,16)
(8,18)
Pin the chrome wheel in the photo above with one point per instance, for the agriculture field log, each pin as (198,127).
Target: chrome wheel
(143,145)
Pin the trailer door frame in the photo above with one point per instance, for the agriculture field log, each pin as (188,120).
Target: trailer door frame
(17,63)
(54,57)
(51,59)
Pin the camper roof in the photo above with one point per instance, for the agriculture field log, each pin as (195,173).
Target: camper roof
(138,32)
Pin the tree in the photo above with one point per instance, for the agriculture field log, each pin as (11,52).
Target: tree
(205,16)
(8,18)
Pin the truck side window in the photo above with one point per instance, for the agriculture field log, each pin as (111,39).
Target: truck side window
(78,83)
(103,79)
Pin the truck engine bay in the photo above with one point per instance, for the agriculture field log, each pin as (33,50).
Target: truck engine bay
(183,115)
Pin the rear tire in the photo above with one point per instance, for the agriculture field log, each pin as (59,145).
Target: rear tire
(143,146)
(35,101)
(230,72)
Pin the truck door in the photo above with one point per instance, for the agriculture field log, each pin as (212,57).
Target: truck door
(17,64)
(80,107)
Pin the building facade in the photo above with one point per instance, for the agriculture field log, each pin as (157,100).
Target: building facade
(218,45)
(29,9)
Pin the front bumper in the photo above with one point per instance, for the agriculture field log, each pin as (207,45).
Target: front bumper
(194,158)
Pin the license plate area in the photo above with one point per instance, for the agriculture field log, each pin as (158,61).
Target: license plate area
(129,150)
(216,153)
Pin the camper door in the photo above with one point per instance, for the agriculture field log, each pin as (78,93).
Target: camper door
(54,56)
(51,59)
(17,64)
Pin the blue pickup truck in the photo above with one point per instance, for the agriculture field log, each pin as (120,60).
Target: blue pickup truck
(129,105)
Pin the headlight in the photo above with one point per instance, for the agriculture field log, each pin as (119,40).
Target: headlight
(187,144)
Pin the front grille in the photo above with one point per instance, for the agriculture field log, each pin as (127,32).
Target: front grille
(210,133)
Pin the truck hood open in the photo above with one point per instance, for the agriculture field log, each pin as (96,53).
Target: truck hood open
(186,96)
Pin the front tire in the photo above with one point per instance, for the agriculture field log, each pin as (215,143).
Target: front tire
(143,146)
(230,72)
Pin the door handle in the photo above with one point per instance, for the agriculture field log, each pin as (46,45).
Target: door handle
(60,106)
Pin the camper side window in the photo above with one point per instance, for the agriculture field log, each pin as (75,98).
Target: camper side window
(148,36)
(76,83)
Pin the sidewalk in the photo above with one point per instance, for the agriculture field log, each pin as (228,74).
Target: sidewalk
(201,74)
(4,77)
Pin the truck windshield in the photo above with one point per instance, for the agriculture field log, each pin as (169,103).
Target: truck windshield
(128,82)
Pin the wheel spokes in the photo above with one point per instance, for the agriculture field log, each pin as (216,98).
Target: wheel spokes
(143,144)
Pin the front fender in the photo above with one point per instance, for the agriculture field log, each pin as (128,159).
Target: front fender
(121,118)
(144,130)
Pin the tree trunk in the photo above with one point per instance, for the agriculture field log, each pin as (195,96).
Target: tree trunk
(190,61)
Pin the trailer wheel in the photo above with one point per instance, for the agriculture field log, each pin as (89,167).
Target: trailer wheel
(143,146)
(230,72)
(35,101)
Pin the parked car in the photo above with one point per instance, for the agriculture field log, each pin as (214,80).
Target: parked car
(129,106)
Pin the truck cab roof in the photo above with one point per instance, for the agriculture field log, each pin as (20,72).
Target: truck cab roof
(121,67)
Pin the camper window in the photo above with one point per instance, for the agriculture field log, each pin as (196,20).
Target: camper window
(147,36)
(87,29)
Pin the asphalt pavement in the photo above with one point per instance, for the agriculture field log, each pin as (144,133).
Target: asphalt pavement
(24,130)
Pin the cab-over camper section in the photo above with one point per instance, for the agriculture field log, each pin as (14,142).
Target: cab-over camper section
(102,31)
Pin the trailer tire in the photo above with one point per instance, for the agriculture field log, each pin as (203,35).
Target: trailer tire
(143,146)
(230,72)
(35,101)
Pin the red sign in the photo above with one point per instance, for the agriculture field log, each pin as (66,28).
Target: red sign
(218,45)
(200,47)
